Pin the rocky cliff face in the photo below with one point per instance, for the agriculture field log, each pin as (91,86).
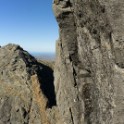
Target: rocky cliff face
(26,88)
(89,68)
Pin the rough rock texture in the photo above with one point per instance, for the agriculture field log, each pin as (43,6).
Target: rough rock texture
(26,89)
(89,68)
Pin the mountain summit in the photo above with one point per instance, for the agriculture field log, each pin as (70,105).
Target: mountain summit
(26,91)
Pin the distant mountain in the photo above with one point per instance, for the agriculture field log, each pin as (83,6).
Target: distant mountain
(44,56)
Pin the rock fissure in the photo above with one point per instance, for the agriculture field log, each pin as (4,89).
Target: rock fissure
(71,116)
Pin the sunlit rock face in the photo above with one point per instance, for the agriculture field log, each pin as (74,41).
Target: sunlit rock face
(89,68)
(26,89)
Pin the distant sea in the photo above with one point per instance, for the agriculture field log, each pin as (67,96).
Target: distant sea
(43,56)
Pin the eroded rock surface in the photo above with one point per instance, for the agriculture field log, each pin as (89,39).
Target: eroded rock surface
(89,68)
(26,89)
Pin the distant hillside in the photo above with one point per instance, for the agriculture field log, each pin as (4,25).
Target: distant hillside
(47,63)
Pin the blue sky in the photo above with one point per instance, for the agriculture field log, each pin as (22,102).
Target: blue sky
(29,23)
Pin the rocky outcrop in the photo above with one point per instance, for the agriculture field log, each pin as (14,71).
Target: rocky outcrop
(89,69)
(26,88)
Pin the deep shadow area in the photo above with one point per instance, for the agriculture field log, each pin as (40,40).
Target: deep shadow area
(45,75)
(47,84)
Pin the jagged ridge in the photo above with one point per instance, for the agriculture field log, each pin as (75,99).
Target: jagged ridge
(26,90)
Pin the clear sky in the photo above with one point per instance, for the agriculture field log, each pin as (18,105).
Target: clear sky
(29,23)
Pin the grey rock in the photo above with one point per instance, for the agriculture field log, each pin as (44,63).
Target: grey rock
(25,89)
(89,67)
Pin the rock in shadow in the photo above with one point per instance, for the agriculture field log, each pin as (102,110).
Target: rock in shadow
(47,84)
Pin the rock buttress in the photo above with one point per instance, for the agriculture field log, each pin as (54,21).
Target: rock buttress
(89,66)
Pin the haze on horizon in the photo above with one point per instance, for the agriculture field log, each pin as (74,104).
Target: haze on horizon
(29,23)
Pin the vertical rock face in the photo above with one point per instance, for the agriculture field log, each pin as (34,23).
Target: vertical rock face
(89,68)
